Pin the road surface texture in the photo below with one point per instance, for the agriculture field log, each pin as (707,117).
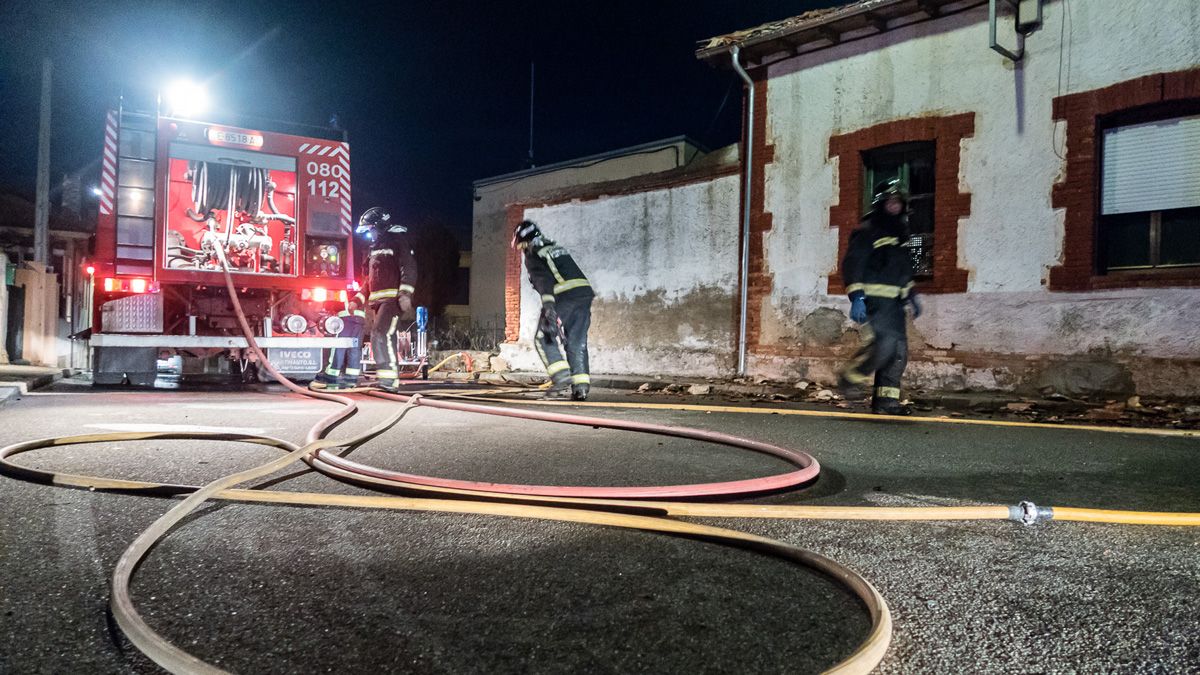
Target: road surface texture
(275,589)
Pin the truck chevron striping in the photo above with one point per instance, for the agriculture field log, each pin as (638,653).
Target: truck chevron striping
(108,170)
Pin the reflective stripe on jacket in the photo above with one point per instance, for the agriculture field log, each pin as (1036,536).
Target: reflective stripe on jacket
(876,263)
(553,272)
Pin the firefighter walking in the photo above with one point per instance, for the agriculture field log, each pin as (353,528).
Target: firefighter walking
(566,310)
(391,281)
(878,275)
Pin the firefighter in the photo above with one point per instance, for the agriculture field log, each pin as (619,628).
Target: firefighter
(345,363)
(566,310)
(878,275)
(391,278)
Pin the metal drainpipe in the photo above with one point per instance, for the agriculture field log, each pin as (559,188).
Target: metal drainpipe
(748,168)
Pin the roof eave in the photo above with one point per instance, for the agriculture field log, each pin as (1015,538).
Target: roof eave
(863,19)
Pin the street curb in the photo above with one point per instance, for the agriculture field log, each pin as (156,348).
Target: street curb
(15,389)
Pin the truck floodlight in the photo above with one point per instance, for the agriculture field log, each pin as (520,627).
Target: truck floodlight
(295,324)
(333,325)
(90,269)
(186,98)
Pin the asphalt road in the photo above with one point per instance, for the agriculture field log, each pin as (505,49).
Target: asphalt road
(282,589)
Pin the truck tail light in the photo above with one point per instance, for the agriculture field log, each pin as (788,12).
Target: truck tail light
(135,285)
(342,297)
(320,295)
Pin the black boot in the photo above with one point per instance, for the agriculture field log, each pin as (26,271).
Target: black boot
(849,390)
(579,392)
(888,406)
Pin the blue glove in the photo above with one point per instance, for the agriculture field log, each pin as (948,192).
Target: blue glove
(916,305)
(858,308)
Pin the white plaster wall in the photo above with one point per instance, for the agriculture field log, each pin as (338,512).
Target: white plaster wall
(489,232)
(1012,236)
(663,265)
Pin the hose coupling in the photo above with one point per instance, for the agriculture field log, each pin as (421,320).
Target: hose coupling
(1028,513)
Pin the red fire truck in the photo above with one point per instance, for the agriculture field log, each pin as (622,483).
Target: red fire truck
(172,192)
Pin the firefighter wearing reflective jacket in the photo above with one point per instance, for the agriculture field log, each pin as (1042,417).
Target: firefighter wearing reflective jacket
(878,275)
(566,310)
(391,280)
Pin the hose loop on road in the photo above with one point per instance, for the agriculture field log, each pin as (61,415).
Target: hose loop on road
(621,507)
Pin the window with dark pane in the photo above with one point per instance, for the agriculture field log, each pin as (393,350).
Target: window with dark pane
(1180,237)
(913,164)
(1150,193)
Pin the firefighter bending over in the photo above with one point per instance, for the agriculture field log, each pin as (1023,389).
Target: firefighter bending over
(566,310)
(391,280)
(345,363)
(878,275)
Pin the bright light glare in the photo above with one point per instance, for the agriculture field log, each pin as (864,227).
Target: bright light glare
(138,285)
(186,98)
(96,191)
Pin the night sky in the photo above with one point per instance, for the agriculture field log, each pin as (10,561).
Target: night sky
(433,94)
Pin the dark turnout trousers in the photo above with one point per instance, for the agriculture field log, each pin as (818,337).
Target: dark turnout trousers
(885,352)
(383,342)
(575,313)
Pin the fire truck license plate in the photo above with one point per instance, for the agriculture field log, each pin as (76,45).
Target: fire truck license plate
(293,360)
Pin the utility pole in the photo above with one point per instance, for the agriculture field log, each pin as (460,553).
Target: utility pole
(41,225)
(529,160)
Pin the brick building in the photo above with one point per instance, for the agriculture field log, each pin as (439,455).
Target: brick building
(1056,201)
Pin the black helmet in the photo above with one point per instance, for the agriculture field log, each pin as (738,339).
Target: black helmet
(377,218)
(886,190)
(526,233)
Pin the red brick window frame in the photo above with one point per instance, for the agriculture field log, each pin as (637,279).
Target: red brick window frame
(949,205)
(1086,114)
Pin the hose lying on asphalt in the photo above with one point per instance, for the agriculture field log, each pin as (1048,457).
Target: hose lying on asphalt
(174,659)
(599,506)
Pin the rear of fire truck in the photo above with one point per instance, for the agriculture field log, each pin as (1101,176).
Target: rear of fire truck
(174,195)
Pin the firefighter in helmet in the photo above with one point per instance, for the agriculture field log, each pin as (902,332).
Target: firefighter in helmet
(877,271)
(391,281)
(566,310)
